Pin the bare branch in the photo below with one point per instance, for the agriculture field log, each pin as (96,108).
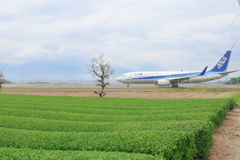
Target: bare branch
(101,68)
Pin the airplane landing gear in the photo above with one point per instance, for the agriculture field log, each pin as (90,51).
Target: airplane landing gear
(175,85)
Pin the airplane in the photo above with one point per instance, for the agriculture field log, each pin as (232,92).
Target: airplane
(173,78)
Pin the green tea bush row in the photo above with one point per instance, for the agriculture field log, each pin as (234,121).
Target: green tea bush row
(166,144)
(203,136)
(107,103)
(74,126)
(156,111)
(7,153)
(218,116)
(101,118)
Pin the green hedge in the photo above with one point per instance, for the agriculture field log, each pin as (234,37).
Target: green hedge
(103,118)
(108,128)
(74,126)
(7,153)
(167,144)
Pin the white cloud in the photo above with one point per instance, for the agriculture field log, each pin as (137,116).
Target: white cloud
(134,34)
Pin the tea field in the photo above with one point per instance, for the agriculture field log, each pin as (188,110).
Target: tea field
(58,127)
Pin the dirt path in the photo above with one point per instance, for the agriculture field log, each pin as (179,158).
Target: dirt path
(133,94)
(227,138)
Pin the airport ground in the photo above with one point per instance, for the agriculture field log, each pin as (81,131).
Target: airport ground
(226,136)
(126,94)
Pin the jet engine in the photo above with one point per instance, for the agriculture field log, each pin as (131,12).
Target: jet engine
(163,82)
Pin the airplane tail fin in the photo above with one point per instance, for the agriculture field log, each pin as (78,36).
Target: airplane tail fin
(222,64)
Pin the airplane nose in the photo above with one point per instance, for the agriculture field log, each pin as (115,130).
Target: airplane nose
(119,79)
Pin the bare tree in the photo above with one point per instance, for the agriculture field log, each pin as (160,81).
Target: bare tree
(1,78)
(101,68)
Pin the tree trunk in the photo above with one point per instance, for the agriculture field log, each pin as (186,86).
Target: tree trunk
(1,85)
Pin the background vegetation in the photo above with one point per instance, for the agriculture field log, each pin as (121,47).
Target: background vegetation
(234,81)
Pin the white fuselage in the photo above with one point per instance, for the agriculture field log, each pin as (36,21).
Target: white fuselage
(161,78)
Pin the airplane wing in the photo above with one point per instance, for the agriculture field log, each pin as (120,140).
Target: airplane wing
(178,80)
(229,72)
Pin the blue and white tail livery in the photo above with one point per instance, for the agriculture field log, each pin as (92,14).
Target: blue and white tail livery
(222,64)
(166,78)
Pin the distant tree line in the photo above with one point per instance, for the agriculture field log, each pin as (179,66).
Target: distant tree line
(233,81)
(38,82)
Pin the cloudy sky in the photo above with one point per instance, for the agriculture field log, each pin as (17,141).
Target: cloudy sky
(56,38)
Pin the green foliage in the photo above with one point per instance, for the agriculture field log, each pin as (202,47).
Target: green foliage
(233,81)
(51,127)
(161,143)
(204,140)
(236,97)
(231,104)
(9,153)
